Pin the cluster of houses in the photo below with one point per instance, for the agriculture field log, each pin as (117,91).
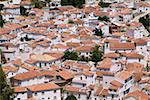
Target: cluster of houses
(33,47)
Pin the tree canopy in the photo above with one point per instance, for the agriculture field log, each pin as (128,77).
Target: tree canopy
(96,54)
(103,4)
(6,93)
(71,97)
(75,3)
(70,55)
(145,22)
(23,11)
(98,32)
(1,21)
(38,4)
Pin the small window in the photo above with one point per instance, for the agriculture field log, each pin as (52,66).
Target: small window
(42,92)
(54,91)
(55,97)
(35,93)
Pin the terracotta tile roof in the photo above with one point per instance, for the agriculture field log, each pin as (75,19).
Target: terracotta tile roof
(33,74)
(73,44)
(139,95)
(17,62)
(122,46)
(134,66)
(4,31)
(75,89)
(99,89)
(55,54)
(124,74)
(111,55)
(134,55)
(140,41)
(41,57)
(60,46)
(84,48)
(7,44)
(116,83)
(20,89)
(42,87)
(7,69)
(88,42)
(106,63)
(65,74)
(29,68)
(101,73)
(135,24)
(88,73)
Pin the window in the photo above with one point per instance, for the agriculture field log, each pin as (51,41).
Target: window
(48,98)
(139,60)
(55,91)
(79,96)
(18,99)
(35,93)
(55,97)
(42,92)
(81,78)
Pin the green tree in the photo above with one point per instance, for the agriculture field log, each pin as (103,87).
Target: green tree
(1,7)
(103,4)
(1,21)
(71,97)
(103,18)
(98,32)
(96,54)
(23,11)
(70,55)
(3,59)
(38,4)
(6,93)
(70,22)
(75,3)
(145,22)
(147,68)
(83,58)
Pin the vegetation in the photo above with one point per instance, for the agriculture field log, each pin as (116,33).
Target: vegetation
(1,7)
(23,11)
(145,22)
(147,68)
(38,4)
(98,32)
(1,21)
(104,18)
(96,54)
(75,3)
(71,55)
(83,58)
(71,97)
(70,22)
(6,93)
(103,4)
(3,59)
